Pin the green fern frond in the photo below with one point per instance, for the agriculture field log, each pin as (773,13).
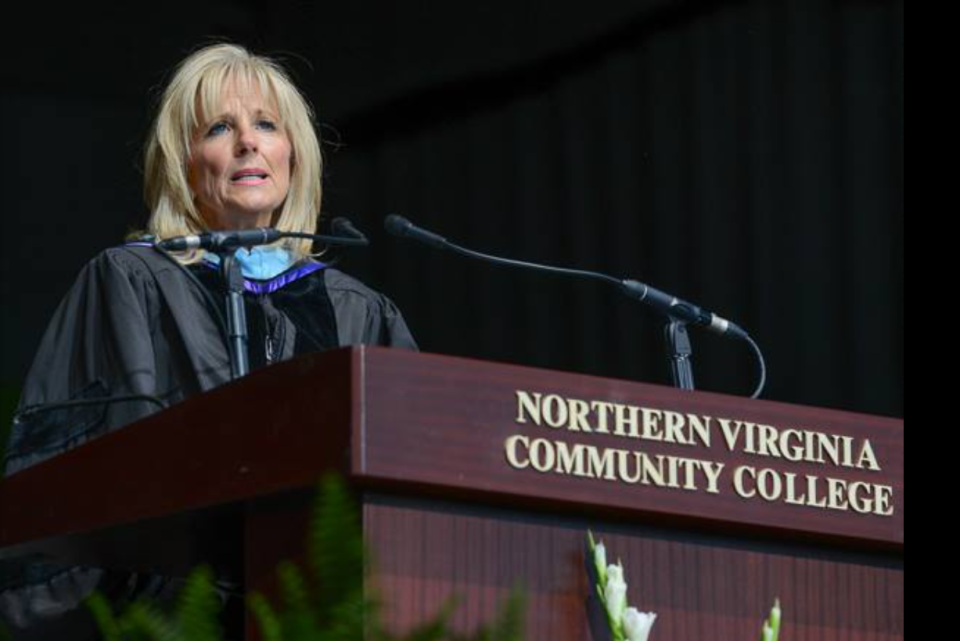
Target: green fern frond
(349,620)
(293,587)
(198,607)
(436,629)
(509,625)
(268,623)
(145,621)
(298,619)
(102,613)
(355,616)
(330,603)
(335,547)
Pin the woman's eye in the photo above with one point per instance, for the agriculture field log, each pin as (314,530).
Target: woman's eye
(267,125)
(217,129)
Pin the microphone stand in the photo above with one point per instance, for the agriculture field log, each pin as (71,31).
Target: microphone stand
(679,352)
(237,332)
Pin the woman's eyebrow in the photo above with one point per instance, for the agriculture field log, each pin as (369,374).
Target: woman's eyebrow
(224,115)
(230,115)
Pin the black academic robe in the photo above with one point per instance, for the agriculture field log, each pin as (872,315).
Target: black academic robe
(136,322)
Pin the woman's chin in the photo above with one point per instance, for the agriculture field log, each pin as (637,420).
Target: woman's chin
(244,218)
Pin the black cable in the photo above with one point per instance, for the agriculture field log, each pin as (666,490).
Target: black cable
(47,407)
(329,240)
(763,367)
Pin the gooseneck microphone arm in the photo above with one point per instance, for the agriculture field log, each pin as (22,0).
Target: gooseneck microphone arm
(217,241)
(678,312)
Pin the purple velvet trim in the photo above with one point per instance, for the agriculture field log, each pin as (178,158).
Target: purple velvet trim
(279,282)
(261,286)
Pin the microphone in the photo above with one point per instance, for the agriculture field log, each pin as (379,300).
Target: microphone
(662,302)
(403,228)
(225,241)
(341,226)
(675,309)
(222,240)
(681,309)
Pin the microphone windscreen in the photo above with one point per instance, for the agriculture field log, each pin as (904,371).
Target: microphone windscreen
(397,225)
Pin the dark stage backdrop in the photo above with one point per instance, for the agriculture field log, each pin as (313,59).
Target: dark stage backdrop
(747,155)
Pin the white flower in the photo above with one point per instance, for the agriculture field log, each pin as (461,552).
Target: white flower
(599,551)
(615,593)
(615,573)
(775,616)
(626,624)
(771,628)
(600,560)
(637,625)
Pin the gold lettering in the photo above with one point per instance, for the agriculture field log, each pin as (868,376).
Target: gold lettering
(528,405)
(738,481)
(768,441)
(602,466)
(861,499)
(673,474)
(792,497)
(813,493)
(673,429)
(868,459)
(829,448)
(713,471)
(700,428)
(769,485)
(731,432)
(570,461)
(624,467)
(653,474)
(795,452)
(686,467)
(636,467)
(884,500)
(837,495)
(542,456)
(847,451)
(651,425)
(628,421)
(602,410)
(511,447)
(751,431)
(554,411)
(579,410)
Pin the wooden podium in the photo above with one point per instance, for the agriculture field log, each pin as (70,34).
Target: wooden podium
(475,477)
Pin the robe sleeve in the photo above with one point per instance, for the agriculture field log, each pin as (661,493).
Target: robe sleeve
(104,340)
(97,345)
(366,317)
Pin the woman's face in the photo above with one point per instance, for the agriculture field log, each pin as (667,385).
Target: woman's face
(239,168)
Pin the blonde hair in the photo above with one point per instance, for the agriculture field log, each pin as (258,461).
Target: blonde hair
(197,87)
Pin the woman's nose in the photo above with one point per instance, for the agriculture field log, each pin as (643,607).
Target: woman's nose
(246,140)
